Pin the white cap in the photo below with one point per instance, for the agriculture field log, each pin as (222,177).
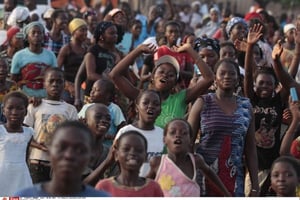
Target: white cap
(288,27)
(19,14)
(171,60)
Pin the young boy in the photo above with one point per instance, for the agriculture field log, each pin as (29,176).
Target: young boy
(44,119)
(103,92)
(70,151)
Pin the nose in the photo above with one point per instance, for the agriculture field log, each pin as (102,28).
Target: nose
(69,154)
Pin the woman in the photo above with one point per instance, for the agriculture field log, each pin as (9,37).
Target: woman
(164,78)
(99,60)
(227,132)
(71,56)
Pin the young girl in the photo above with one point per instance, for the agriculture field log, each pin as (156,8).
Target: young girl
(130,153)
(148,107)
(176,171)
(14,140)
(285,176)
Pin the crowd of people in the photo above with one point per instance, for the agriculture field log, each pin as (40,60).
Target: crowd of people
(187,101)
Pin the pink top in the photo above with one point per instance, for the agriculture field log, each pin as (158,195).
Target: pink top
(174,182)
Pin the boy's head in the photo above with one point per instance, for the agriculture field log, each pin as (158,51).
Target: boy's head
(54,83)
(70,150)
(102,91)
(227,50)
(98,119)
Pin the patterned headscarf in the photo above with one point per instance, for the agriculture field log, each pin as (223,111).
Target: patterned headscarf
(29,26)
(233,21)
(208,43)
(101,28)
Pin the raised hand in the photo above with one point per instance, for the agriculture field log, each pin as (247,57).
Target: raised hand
(147,48)
(183,48)
(254,34)
(277,50)
(240,45)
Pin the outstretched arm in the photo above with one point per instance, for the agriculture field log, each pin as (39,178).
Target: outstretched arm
(293,69)
(211,175)
(118,73)
(207,75)
(253,36)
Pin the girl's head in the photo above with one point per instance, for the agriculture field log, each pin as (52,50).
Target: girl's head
(14,107)
(34,33)
(78,28)
(136,28)
(59,19)
(236,28)
(285,176)
(131,150)
(165,73)
(289,31)
(3,68)
(265,82)
(103,91)
(172,31)
(227,50)
(148,105)
(227,74)
(189,38)
(177,136)
(106,31)
(98,119)
(208,49)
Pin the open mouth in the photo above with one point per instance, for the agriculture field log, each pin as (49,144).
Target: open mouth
(150,112)
(163,80)
(178,141)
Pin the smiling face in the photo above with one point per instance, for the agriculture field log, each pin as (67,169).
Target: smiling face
(70,153)
(177,137)
(238,31)
(284,179)
(226,76)
(110,35)
(131,152)
(149,107)
(264,85)
(210,57)
(164,78)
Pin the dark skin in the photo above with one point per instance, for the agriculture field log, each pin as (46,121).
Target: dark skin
(54,84)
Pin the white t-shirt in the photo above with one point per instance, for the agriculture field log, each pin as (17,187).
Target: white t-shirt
(44,119)
(155,143)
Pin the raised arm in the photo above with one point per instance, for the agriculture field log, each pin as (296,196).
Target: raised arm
(118,73)
(290,133)
(253,36)
(80,77)
(293,69)
(207,74)
(251,157)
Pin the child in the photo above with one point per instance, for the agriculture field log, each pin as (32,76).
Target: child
(148,106)
(70,151)
(103,92)
(285,176)
(130,153)
(44,118)
(14,140)
(176,172)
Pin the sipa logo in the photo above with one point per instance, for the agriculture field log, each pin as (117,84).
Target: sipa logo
(14,198)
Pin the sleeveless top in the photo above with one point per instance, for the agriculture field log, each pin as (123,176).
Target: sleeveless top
(72,64)
(222,144)
(173,181)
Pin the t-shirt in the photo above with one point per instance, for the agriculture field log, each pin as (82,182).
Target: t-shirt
(44,119)
(149,189)
(25,57)
(155,143)
(38,191)
(173,107)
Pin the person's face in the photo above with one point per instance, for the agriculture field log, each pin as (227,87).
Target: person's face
(54,84)
(214,16)
(256,54)
(9,5)
(3,70)
(238,32)
(172,34)
(190,39)
(136,30)
(210,57)
(111,35)
(284,179)
(149,107)
(227,52)
(81,33)
(99,94)
(14,110)
(92,22)
(264,85)
(177,138)
(290,35)
(131,152)
(98,120)
(17,43)
(61,21)
(35,36)
(120,19)
(164,77)
(226,76)
(70,153)
(160,26)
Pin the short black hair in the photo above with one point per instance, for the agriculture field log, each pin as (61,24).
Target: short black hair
(172,23)
(53,69)
(16,94)
(227,60)
(266,70)
(76,124)
(290,160)
(182,120)
(57,12)
(138,98)
(131,132)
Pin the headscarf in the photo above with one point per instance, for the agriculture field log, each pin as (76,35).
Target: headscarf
(101,28)
(11,32)
(19,14)
(75,24)
(208,43)
(233,21)
(29,26)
